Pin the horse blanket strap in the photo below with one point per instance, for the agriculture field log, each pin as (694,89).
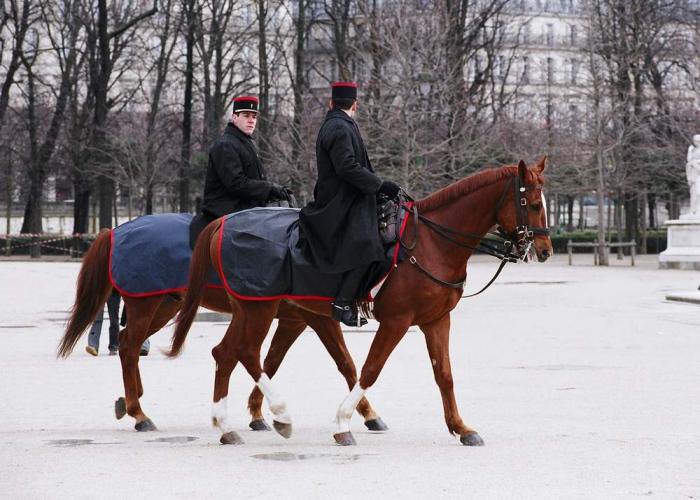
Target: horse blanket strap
(151,255)
(262,259)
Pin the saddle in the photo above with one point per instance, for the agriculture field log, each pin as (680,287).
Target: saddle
(388,217)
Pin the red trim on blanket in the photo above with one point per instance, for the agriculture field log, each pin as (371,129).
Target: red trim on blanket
(124,293)
(222,277)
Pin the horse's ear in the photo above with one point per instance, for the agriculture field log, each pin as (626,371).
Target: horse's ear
(541,164)
(522,170)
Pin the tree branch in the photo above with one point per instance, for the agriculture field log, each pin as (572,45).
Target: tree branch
(135,20)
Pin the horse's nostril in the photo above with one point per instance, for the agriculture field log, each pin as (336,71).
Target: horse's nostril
(545,253)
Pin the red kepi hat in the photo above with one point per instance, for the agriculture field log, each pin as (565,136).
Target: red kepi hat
(245,103)
(343,90)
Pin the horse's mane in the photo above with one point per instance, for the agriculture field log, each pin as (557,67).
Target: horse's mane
(465,186)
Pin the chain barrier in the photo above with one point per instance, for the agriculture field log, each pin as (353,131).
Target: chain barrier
(37,241)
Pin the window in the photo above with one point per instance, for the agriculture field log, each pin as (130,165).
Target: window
(502,68)
(573,34)
(526,33)
(526,70)
(550,34)
(550,71)
(574,70)
(573,117)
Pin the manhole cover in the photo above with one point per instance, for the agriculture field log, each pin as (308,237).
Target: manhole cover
(174,439)
(284,456)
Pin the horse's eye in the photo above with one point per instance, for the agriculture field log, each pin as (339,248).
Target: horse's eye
(536,206)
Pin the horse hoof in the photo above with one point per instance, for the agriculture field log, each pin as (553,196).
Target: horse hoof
(284,430)
(376,424)
(345,439)
(145,426)
(259,425)
(120,408)
(471,439)
(230,437)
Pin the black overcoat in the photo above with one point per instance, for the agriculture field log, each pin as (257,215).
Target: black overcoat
(235,177)
(339,227)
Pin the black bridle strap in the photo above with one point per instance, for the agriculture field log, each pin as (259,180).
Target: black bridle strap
(500,268)
(449,284)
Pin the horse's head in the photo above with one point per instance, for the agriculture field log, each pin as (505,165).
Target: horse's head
(522,213)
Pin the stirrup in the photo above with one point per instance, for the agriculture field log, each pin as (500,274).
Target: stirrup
(347,314)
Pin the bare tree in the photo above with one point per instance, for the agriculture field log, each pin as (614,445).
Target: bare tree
(62,27)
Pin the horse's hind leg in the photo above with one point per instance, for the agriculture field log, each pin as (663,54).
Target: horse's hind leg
(332,338)
(140,313)
(437,338)
(164,313)
(288,330)
(255,319)
(225,357)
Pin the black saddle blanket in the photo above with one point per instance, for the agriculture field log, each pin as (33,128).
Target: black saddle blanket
(151,255)
(261,258)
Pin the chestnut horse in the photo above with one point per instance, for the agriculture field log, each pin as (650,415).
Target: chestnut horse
(147,315)
(421,291)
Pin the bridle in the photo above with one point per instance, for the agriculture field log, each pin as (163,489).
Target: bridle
(507,246)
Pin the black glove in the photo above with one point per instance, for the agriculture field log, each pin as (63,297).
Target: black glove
(391,189)
(278,192)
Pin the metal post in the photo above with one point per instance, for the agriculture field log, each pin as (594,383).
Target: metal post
(569,249)
(633,251)
(35,248)
(595,253)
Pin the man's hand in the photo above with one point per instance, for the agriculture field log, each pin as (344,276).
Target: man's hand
(278,192)
(391,189)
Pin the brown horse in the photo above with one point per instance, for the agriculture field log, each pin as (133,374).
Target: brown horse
(147,315)
(421,291)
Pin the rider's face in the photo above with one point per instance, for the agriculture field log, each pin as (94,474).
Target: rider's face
(245,121)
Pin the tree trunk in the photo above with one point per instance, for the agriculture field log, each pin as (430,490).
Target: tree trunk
(32,211)
(643,224)
(299,86)
(651,203)
(263,79)
(185,151)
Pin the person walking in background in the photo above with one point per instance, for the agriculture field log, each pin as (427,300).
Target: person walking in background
(93,346)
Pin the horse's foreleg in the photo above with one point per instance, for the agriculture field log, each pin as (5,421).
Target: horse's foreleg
(226,360)
(288,330)
(140,313)
(256,318)
(331,336)
(388,335)
(437,338)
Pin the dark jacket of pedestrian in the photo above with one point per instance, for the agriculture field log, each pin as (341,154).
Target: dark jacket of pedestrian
(339,227)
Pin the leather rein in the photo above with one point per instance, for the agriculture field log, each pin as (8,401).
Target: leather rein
(515,245)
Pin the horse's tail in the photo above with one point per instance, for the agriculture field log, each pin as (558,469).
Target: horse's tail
(197,282)
(92,291)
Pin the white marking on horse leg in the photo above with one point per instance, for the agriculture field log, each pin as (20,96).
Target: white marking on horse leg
(277,405)
(219,415)
(347,408)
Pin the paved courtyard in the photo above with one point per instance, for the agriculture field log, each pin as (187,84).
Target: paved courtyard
(584,383)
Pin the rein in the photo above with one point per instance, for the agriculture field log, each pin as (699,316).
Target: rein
(516,244)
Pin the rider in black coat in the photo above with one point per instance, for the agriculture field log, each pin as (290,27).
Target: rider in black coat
(235,177)
(339,227)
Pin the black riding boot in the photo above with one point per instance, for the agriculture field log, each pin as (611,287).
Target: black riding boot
(343,307)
